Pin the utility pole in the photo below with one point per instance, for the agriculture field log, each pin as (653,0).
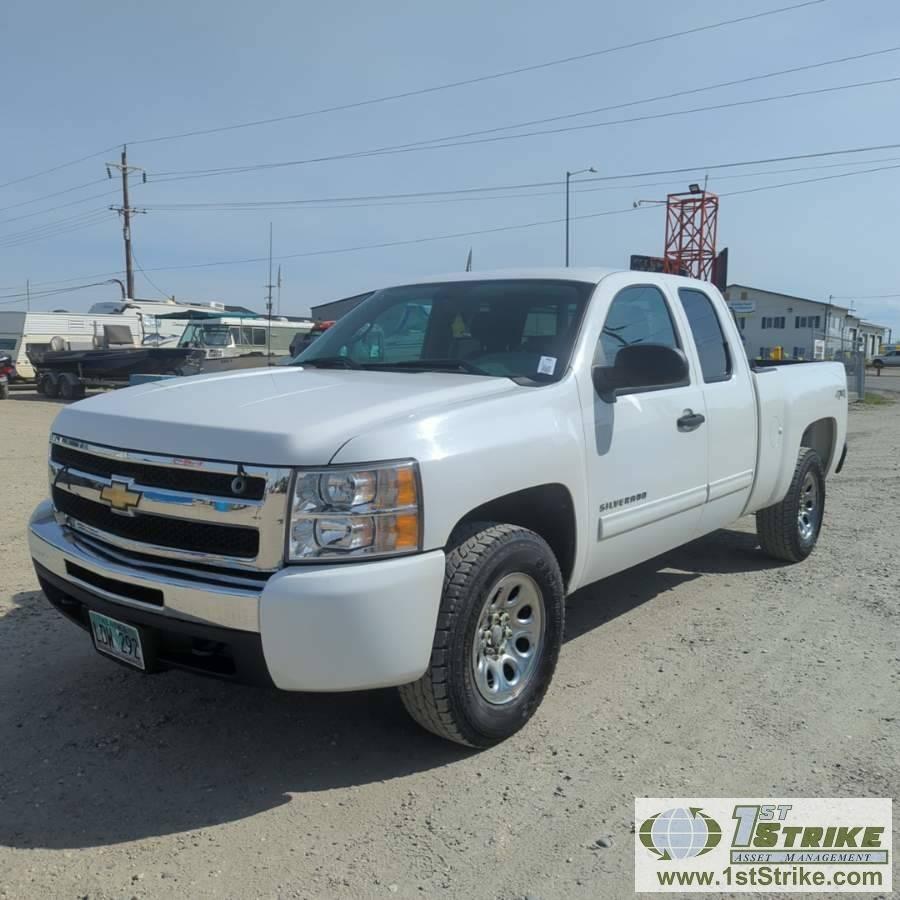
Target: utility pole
(269,287)
(126,211)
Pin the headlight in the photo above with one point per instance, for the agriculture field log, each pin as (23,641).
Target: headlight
(352,511)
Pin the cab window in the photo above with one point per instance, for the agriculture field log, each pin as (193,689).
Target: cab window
(637,315)
(712,348)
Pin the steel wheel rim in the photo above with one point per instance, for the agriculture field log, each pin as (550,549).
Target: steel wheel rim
(509,638)
(808,511)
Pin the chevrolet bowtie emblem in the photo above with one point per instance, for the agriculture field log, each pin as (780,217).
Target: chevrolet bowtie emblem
(119,496)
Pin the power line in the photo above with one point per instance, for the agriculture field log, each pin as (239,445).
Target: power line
(867,297)
(367,203)
(432,89)
(97,220)
(10,299)
(482,78)
(65,165)
(767,187)
(51,229)
(39,212)
(152,283)
(532,184)
(69,190)
(430,145)
(683,170)
(676,171)
(494,230)
(671,96)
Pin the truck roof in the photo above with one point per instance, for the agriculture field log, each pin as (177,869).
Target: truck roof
(590,275)
(585,274)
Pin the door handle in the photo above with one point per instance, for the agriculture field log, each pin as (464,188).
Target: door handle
(690,421)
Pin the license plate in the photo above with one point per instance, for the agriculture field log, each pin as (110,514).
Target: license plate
(117,639)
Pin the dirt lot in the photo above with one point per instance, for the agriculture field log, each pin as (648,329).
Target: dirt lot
(710,671)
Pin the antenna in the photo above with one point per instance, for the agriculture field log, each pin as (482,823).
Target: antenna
(269,287)
(278,283)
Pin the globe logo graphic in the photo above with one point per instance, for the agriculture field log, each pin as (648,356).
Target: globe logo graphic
(681,833)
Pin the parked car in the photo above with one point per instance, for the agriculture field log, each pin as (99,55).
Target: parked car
(302,339)
(366,518)
(889,358)
(7,374)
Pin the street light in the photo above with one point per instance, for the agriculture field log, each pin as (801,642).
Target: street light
(569,176)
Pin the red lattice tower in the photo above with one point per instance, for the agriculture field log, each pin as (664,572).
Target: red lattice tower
(691,221)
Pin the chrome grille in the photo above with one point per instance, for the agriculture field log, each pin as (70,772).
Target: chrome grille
(201,512)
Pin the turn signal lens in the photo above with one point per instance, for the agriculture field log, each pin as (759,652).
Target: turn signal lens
(407,530)
(406,487)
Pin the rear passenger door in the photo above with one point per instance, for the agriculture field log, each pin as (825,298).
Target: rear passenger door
(730,428)
(646,459)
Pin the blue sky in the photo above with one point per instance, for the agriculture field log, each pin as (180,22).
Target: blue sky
(86,76)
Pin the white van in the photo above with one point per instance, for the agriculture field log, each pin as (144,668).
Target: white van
(223,337)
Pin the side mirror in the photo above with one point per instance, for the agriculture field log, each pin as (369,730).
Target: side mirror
(640,367)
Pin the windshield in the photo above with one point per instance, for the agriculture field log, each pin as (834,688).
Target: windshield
(205,336)
(522,329)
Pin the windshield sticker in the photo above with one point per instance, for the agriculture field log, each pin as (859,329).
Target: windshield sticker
(547,365)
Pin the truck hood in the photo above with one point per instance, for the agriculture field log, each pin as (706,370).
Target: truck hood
(284,416)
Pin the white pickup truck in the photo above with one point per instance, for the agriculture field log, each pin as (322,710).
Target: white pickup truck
(410,502)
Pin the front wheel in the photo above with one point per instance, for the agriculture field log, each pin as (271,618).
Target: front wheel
(789,529)
(498,636)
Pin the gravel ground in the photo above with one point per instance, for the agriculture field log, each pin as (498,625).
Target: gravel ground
(709,671)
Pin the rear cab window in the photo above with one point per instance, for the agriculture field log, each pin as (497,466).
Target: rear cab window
(709,339)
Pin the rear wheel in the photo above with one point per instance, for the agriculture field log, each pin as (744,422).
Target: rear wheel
(498,636)
(789,529)
(70,387)
(4,391)
(51,385)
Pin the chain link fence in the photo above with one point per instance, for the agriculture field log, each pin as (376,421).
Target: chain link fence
(855,365)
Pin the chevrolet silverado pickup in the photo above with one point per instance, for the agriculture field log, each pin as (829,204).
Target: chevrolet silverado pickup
(410,502)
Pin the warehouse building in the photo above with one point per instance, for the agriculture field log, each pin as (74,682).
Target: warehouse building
(803,328)
(337,308)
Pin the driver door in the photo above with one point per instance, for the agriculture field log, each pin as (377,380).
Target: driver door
(646,452)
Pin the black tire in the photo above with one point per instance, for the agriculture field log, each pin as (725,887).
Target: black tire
(51,385)
(446,699)
(39,384)
(68,387)
(4,391)
(781,532)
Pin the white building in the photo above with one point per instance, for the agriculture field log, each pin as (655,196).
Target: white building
(802,328)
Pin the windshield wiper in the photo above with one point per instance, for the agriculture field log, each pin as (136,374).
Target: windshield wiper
(329,362)
(433,365)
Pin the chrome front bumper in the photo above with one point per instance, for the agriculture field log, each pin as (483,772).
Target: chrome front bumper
(53,546)
(318,628)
